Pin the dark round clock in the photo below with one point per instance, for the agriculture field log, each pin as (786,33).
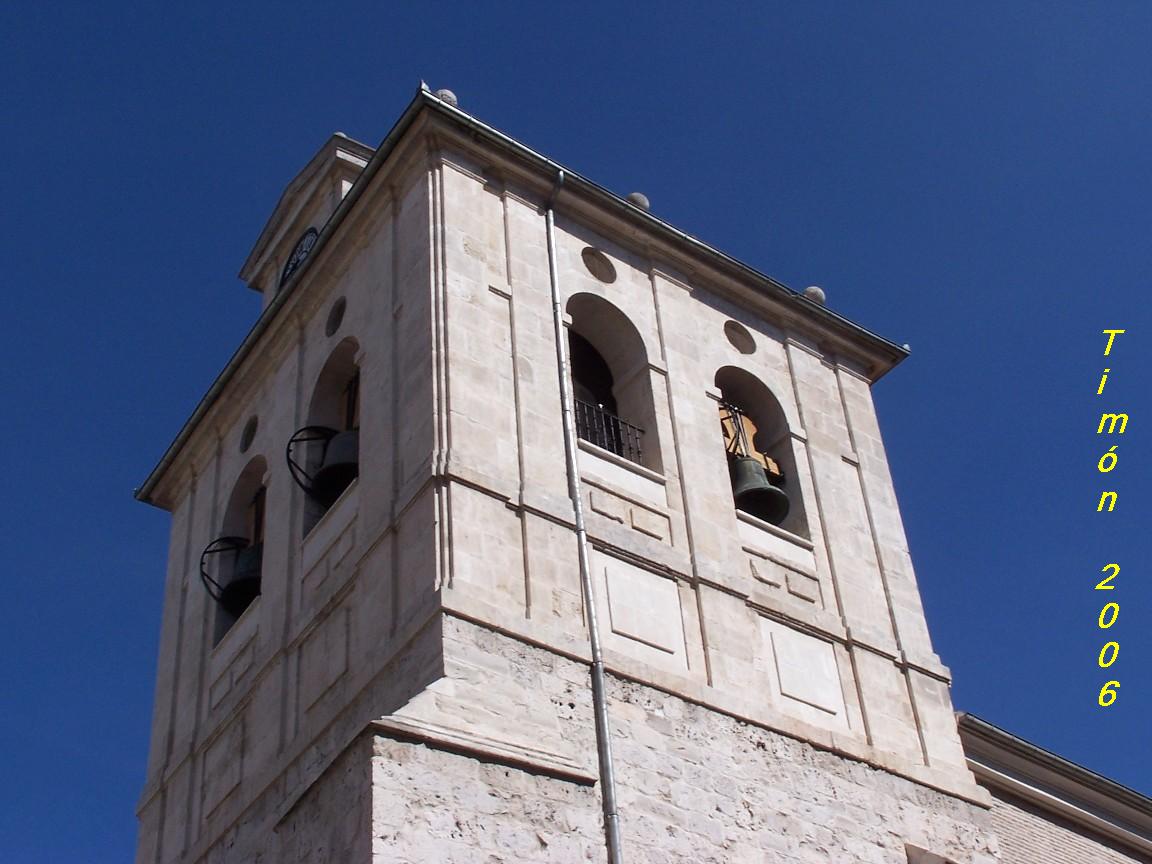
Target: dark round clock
(303,247)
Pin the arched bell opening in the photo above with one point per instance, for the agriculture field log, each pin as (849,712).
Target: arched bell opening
(610,381)
(324,456)
(231,566)
(761,461)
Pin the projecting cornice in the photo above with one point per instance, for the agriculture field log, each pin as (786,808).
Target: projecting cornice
(1001,761)
(599,207)
(700,265)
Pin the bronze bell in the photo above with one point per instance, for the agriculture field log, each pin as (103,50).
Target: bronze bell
(238,592)
(753,492)
(339,467)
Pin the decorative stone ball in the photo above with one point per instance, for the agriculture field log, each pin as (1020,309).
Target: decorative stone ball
(815,293)
(447,96)
(639,199)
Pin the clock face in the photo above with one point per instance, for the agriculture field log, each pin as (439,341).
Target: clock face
(303,247)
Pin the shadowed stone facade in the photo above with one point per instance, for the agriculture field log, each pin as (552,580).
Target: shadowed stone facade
(412,683)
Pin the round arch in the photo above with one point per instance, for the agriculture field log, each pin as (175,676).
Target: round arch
(766,435)
(611,376)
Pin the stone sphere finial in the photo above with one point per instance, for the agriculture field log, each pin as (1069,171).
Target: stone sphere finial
(640,200)
(815,293)
(448,96)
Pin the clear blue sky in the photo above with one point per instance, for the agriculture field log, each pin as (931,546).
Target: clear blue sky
(968,178)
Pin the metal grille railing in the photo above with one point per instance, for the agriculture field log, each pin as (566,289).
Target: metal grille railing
(605,429)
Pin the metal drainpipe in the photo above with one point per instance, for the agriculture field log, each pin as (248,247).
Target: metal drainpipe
(599,695)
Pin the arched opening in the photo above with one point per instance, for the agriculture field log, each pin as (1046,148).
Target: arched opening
(324,455)
(761,461)
(610,381)
(231,565)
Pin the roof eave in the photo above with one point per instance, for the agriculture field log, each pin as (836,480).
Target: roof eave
(325,155)
(887,353)
(1076,775)
(147,489)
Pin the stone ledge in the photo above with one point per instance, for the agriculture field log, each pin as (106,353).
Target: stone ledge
(696,691)
(483,748)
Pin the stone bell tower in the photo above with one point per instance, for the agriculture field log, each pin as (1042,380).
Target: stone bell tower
(525,527)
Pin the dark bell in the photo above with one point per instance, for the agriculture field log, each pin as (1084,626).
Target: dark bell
(244,586)
(340,467)
(754,494)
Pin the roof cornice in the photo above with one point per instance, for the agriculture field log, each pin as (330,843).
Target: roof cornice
(885,354)
(1053,783)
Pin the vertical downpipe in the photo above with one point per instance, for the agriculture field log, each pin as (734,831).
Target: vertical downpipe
(599,694)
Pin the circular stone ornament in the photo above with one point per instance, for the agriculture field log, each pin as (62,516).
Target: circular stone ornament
(599,265)
(739,336)
(249,433)
(335,317)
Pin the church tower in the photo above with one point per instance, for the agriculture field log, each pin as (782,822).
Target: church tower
(524,527)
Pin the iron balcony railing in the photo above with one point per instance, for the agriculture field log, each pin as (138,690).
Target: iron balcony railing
(605,429)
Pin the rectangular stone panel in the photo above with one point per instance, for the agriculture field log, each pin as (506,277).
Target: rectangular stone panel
(780,548)
(327,545)
(768,571)
(233,674)
(644,615)
(805,587)
(765,569)
(639,517)
(223,763)
(323,657)
(806,674)
(609,505)
(649,522)
(640,483)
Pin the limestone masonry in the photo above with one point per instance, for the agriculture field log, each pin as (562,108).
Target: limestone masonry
(377,649)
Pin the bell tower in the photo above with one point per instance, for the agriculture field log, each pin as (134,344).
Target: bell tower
(525,527)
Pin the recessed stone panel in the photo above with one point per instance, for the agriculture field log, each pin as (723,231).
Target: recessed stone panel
(644,614)
(330,541)
(607,504)
(765,570)
(639,517)
(805,587)
(233,674)
(793,551)
(807,675)
(223,765)
(323,657)
(768,571)
(636,481)
(649,522)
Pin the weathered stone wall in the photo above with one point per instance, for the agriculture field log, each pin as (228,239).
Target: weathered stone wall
(434,805)
(1029,835)
(332,822)
(699,786)
(695,785)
